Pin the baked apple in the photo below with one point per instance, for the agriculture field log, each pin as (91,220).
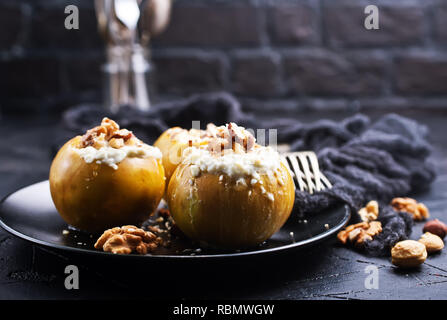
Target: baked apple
(106,178)
(232,194)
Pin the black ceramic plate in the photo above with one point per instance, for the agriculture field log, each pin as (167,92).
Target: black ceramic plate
(29,213)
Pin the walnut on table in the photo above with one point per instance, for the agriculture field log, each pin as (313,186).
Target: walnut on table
(126,240)
(418,210)
(370,212)
(359,233)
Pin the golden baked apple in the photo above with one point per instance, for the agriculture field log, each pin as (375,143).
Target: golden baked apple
(231,194)
(106,178)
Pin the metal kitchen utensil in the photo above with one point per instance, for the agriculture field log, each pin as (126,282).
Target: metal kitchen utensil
(306,171)
(127,26)
(128,13)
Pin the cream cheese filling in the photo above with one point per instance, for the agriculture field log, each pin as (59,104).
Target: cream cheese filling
(112,157)
(263,160)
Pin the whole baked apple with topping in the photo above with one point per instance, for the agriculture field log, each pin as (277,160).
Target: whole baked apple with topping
(106,178)
(233,193)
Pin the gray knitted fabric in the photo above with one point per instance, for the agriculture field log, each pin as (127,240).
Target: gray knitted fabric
(364,161)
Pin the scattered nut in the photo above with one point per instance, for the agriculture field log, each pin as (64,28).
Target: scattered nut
(360,232)
(408,254)
(165,213)
(370,212)
(432,242)
(127,239)
(343,235)
(436,227)
(418,210)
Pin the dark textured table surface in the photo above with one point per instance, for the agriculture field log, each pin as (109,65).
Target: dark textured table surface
(324,271)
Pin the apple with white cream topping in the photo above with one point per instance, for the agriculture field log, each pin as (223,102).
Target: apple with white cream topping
(232,192)
(106,178)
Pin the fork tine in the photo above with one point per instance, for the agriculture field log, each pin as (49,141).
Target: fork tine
(307,173)
(315,169)
(298,173)
(326,181)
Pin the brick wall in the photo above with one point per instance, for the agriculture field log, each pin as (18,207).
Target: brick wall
(273,54)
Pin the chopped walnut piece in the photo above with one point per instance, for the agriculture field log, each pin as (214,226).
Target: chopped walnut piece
(344,234)
(360,232)
(217,145)
(122,134)
(370,212)
(418,210)
(116,143)
(241,136)
(110,126)
(230,136)
(107,133)
(126,240)
(375,227)
(211,130)
(88,139)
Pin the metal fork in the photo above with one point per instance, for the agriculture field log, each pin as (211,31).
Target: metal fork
(306,171)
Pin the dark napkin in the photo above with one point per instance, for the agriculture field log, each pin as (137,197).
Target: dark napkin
(364,161)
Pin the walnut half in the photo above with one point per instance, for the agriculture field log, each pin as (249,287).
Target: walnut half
(126,240)
(359,233)
(370,212)
(418,210)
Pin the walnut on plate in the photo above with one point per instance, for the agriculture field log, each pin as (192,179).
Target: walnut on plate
(360,232)
(126,240)
(418,210)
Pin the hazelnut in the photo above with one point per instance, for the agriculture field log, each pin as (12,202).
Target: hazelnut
(432,242)
(436,227)
(408,254)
